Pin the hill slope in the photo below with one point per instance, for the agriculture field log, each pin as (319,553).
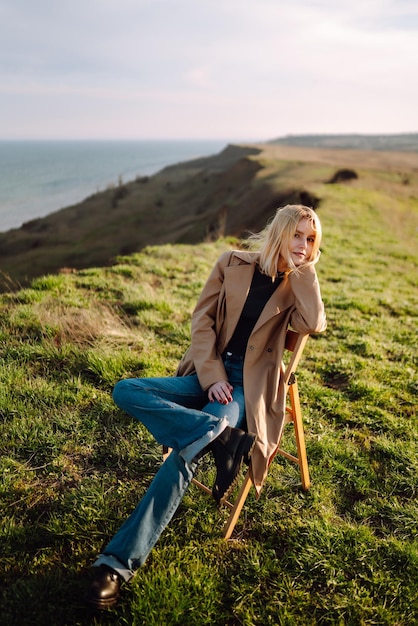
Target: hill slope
(228,194)
(73,466)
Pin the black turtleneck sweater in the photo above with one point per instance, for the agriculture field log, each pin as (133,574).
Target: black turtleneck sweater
(262,288)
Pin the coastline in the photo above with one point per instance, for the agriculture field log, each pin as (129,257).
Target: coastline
(38,177)
(228,194)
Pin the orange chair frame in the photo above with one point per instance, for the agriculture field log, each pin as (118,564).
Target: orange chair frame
(295,344)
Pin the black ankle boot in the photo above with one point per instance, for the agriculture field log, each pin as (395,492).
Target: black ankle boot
(230,449)
(103,592)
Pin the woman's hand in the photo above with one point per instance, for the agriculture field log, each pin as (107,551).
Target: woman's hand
(220,392)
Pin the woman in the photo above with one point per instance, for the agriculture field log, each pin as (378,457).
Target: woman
(227,397)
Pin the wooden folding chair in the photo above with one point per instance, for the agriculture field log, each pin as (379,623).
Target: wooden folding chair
(295,344)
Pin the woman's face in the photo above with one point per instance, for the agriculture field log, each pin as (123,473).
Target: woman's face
(301,244)
(300,247)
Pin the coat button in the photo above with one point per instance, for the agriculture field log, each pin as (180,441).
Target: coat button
(269,349)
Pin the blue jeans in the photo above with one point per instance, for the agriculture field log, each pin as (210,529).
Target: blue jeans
(177,413)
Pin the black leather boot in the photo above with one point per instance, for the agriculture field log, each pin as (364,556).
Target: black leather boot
(103,592)
(230,449)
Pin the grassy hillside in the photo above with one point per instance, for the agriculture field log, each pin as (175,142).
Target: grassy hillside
(73,466)
(224,195)
(402,141)
(181,204)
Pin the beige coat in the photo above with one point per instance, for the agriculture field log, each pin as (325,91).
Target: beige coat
(297,301)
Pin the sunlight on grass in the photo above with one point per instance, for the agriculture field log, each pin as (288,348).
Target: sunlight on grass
(73,466)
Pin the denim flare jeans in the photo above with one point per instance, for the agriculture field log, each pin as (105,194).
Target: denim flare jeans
(177,413)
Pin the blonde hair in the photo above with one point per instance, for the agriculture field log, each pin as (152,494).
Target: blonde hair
(273,242)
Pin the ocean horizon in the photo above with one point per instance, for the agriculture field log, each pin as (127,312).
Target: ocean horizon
(39,177)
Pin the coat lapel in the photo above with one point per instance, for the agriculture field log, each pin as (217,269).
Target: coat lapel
(279,301)
(237,283)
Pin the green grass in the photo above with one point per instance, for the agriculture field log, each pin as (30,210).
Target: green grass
(73,466)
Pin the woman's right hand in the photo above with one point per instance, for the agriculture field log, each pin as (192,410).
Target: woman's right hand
(220,392)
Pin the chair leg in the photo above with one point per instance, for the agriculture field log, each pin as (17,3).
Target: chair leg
(300,436)
(202,486)
(237,508)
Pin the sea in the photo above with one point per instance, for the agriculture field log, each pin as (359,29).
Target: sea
(40,177)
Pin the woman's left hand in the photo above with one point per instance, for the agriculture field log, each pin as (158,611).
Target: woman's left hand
(220,392)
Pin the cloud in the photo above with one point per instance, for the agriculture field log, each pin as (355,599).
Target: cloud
(201,66)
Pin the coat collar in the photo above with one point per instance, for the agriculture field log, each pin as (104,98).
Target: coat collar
(237,285)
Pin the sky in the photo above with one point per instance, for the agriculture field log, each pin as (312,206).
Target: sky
(248,70)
